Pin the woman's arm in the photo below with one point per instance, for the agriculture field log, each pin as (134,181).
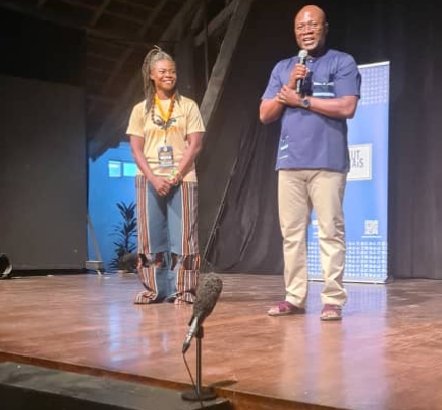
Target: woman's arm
(195,144)
(161,184)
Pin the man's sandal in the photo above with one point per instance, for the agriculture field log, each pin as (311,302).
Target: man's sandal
(331,312)
(285,308)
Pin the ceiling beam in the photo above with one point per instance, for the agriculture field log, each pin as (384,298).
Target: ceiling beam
(100,70)
(117,67)
(107,134)
(136,5)
(128,51)
(38,12)
(215,23)
(111,38)
(63,21)
(98,13)
(100,10)
(198,19)
(100,42)
(100,56)
(74,3)
(101,99)
(137,20)
(222,65)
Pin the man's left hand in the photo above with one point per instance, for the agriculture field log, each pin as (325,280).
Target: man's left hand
(289,96)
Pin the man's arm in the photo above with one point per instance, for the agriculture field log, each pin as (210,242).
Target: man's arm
(270,110)
(340,107)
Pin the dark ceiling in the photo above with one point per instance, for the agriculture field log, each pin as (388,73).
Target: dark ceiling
(118,35)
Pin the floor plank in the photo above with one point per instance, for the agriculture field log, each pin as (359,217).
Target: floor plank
(386,353)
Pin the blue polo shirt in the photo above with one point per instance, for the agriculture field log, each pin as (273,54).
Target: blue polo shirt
(309,140)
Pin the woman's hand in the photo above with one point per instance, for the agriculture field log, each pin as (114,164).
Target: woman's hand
(162,185)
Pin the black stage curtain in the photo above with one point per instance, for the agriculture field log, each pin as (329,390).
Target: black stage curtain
(238,203)
(43,161)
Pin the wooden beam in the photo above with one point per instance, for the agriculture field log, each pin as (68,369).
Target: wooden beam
(136,20)
(102,10)
(128,51)
(215,23)
(101,99)
(99,13)
(103,42)
(107,134)
(74,3)
(37,11)
(63,21)
(94,69)
(222,64)
(99,56)
(110,37)
(197,20)
(136,5)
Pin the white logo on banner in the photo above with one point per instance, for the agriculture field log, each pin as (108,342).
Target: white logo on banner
(360,162)
(371,227)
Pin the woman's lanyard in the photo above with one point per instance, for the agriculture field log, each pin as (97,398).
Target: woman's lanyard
(164,121)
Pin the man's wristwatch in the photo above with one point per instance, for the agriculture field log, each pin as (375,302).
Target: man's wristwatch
(305,103)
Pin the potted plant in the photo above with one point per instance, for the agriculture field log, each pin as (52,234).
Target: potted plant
(125,244)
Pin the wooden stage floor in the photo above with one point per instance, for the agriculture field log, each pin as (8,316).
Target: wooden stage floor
(386,353)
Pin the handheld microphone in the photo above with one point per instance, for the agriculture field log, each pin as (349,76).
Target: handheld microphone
(207,294)
(302,55)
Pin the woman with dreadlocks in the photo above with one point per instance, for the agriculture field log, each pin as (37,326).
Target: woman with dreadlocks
(166,132)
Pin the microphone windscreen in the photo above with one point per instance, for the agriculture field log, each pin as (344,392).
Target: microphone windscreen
(302,54)
(207,294)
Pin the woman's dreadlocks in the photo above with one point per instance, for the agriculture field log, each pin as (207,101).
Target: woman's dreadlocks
(152,57)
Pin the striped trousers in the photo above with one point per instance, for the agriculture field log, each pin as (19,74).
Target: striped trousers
(168,251)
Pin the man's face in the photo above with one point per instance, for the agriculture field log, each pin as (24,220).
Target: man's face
(310,29)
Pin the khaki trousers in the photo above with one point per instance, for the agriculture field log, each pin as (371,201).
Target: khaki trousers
(300,191)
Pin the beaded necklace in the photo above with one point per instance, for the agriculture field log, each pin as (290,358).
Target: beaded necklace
(163,120)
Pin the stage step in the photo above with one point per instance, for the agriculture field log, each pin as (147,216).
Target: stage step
(26,387)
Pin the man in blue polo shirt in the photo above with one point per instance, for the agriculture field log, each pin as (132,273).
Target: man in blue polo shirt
(313,95)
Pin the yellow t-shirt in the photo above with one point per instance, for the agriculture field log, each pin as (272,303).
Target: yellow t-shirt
(185,119)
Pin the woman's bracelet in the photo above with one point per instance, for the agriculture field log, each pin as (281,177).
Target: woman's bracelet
(176,175)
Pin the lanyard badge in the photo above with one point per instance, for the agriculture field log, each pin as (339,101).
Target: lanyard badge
(165,156)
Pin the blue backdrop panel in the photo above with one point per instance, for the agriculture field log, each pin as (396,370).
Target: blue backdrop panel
(366,198)
(111,180)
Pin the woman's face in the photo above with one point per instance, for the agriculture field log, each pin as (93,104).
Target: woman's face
(163,74)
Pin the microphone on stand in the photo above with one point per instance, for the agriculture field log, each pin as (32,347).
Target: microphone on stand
(207,294)
(302,55)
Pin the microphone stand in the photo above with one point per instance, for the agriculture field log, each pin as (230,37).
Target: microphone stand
(199,393)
